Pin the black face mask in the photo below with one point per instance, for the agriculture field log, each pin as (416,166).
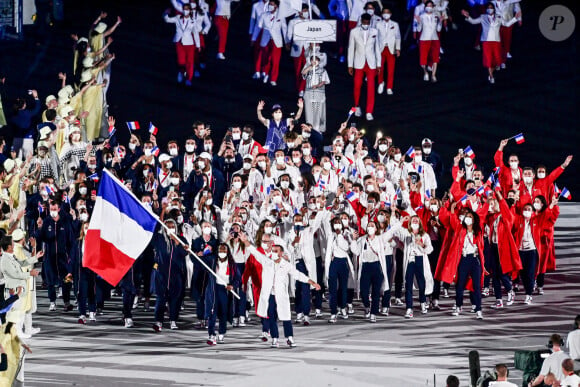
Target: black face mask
(510,201)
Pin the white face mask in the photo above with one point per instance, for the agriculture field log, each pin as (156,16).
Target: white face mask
(92,166)
(173,152)
(222,255)
(247,166)
(83,190)
(201,164)
(206,230)
(132,146)
(337,226)
(237,184)
(537,206)
(527,214)
(541,175)
(461,217)
(326,165)
(271,8)
(414,226)
(179,219)
(371,11)
(262,165)
(370,188)
(245,136)
(284,184)
(386,16)
(147,152)
(277,199)
(371,231)
(365,27)
(189,148)
(145,172)
(338,149)
(434,207)
(344,222)
(305,135)
(174,180)
(381,218)
(468,221)
(290,145)
(351,138)
(277,116)
(428,9)
(468,161)
(380,174)
(209,202)
(186,12)
(236,136)
(383,148)
(169,165)
(306,151)
(264,246)
(268,229)
(280,160)
(514,165)
(418,159)
(83,217)
(528,180)
(53,214)
(207,147)
(296,160)
(312,206)
(305,14)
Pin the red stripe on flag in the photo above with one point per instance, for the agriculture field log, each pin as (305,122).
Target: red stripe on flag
(105,259)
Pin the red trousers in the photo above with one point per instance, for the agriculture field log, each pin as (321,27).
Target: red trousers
(185,58)
(505,35)
(491,54)
(299,63)
(271,60)
(222,25)
(200,54)
(389,59)
(359,75)
(258,54)
(428,52)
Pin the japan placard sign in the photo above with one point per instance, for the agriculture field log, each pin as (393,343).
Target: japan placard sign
(316,31)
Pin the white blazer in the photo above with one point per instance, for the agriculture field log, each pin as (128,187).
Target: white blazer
(185,30)
(258,8)
(273,26)
(364,47)
(358,248)
(429,25)
(202,22)
(297,45)
(276,275)
(355,9)
(389,35)
(490,25)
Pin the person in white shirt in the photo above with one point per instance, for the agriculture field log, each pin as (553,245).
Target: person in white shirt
(429,25)
(570,378)
(390,43)
(274,299)
(316,79)
(260,7)
(552,363)
(490,37)
(507,9)
(502,374)
(273,32)
(364,59)
(573,340)
(186,40)
(296,48)
(223,13)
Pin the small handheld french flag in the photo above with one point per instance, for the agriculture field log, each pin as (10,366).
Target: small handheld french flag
(49,190)
(520,138)
(40,208)
(480,190)
(469,152)
(112,131)
(565,193)
(556,189)
(152,129)
(94,177)
(133,125)
(349,195)
(207,250)
(464,200)
(65,198)
(155,151)
(428,194)
(351,111)
(411,152)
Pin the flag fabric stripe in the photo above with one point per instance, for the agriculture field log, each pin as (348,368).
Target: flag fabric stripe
(469,152)
(519,138)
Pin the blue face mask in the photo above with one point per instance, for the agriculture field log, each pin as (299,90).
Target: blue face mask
(490,11)
(298,228)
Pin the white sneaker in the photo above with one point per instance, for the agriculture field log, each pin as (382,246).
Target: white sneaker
(220,339)
(358,112)
(528,300)
(385,311)
(318,313)
(299,317)
(498,304)
(370,117)
(306,320)
(435,305)
(350,309)
(301,94)
(456,311)
(211,341)
(343,314)
(273,83)
(135,302)
(441,50)
(173,325)
(389,91)
(82,319)
(52,307)
(367,313)
(242,322)
(157,327)
(220,56)
(290,342)
(479,315)
(265,336)
(59,293)
(381,88)
(511,297)
(509,56)
(256,75)
(274,343)
(491,81)
(398,302)
(266,77)
(128,323)
(236,322)
(433,79)
(502,66)
(424,307)
(485,292)
(332,319)
(373,318)
(429,68)
(472,309)
(409,313)
(92,316)
(541,291)
(445,293)
(426,77)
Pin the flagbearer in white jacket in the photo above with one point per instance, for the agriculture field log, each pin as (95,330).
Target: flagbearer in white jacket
(429,24)
(274,299)
(186,40)
(390,43)
(364,59)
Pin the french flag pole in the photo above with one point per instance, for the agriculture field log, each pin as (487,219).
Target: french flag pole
(119,231)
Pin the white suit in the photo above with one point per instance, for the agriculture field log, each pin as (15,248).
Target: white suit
(364,47)
(185,30)
(273,26)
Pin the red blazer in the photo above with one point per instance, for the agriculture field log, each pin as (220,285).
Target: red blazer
(445,219)
(526,197)
(253,270)
(509,256)
(538,223)
(546,185)
(506,180)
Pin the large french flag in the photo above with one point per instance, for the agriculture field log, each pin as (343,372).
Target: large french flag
(119,231)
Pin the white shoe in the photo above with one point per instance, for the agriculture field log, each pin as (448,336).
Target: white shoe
(242,322)
(409,313)
(511,297)
(273,83)
(290,342)
(135,302)
(424,307)
(358,112)
(441,50)
(220,339)
(318,313)
(299,317)
(265,336)
(541,291)
(367,313)
(445,293)
(157,327)
(528,300)
(52,307)
(433,79)
(59,293)
(128,323)
(492,81)
(220,56)
(236,322)
(456,311)
(381,88)
(429,68)
(301,94)
(350,309)
(509,56)
(92,316)
(266,77)
(385,311)
(485,292)
(389,91)
(398,302)
(211,341)
(498,304)
(306,320)
(479,315)
(502,66)
(435,305)
(370,117)
(82,319)
(373,318)
(426,77)
(256,76)
(472,309)
(173,325)
(343,314)
(274,343)
(332,319)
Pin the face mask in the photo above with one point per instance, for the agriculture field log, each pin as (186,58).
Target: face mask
(414,226)
(467,161)
(171,230)
(280,160)
(397,157)
(510,201)
(222,255)
(305,135)
(306,151)
(92,166)
(206,230)
(207,147)
(145,172)
(326,165)
(344,222)
(305,14)
(277,116)
(386,16)
(276,199)
(83,217)
(284,184)
(290,145)
(180,219)
(371,11)
(245,136)
(351,138)
(370,188)
(528,180)
(83,190)
(428,9)
(538,206)
(193,6)
(132,146)
(380,174)
(490,11)
(262,165)
(383,148)
(337,226)
(514,165)
(201,164)
(526,214)
(53,214)
(381,218)
(312,206)
(173,152)
(418,159)
(371,230)
(268,229)
(169,165)
(237,184)
(201,133)
(338,149)
(491,209)
(271,8)
(209,202)
(186,12)
(174,180)
(468,221)
(236,136)
(247,166)
(296,160)
(189,148)
(147,152)
(541,175)
(364,27)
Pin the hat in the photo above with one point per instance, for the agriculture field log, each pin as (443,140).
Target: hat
(72,129)
(83,39)
(9,165)
(471,191)
(86,75)
(276,107)
(66,110)
(69,89)
(88,62)
(426,141)
(100,28)
(63,100)
(249,156)
(49,98)
(164,157)
(42,144)
(18,234)
(44,132)
(205,155)
(63,93)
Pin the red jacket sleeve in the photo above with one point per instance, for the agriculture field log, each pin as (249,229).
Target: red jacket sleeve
(498,159)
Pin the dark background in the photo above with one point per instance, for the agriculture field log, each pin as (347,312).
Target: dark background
(535,95)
